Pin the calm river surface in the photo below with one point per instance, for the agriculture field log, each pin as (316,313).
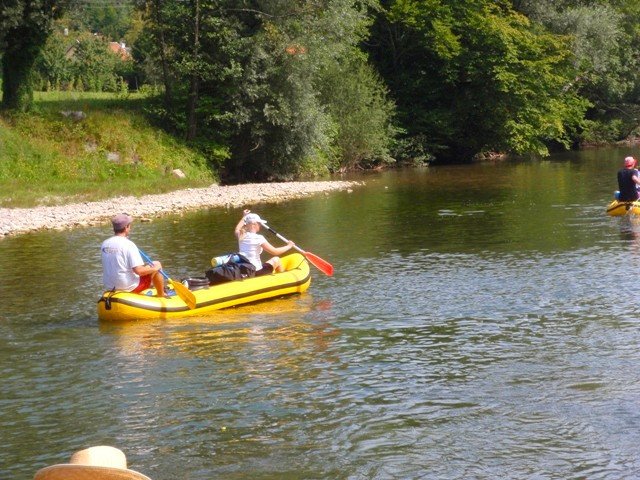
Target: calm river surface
(483,323)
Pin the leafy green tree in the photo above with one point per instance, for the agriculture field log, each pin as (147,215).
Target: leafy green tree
(112,19)
(604,42)
(474,75)
(277,120)
(53,70)
(597,39)
(191,48)
(80,61)
(287,120)
(24,28)
(95,64)
(250,74)
(147,48)
(357,102)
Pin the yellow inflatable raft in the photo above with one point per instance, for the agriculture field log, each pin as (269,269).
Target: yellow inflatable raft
(618,208)
(125,306)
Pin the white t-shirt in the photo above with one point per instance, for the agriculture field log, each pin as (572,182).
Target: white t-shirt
(119,256)
(250,247)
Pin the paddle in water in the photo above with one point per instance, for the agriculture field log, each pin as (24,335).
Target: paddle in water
(322,265)
(183,292)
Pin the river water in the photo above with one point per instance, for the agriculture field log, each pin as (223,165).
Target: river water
(482,323)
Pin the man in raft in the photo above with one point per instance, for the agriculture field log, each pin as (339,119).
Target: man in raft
(628,181)
(122,265)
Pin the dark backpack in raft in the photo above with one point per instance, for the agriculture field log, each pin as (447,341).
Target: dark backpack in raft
(239,269)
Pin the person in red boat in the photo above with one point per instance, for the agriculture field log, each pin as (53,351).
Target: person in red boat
(628,181)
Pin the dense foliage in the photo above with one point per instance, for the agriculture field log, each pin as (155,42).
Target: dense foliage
(474,76)
(257,75)
(79,61)
(24,28)
(297,87)
(604,40)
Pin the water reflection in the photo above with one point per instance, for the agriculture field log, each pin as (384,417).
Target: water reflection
(250,334)
(481,324)
(630,234)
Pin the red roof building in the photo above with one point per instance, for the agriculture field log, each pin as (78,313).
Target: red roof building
(120,49)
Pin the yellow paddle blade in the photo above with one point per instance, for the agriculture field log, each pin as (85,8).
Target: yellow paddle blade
(184,293)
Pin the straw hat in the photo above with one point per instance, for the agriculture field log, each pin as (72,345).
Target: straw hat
(94,463)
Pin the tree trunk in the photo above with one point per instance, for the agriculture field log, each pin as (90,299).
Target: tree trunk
(192,127)
(192,120)
(168,93)
(22,49)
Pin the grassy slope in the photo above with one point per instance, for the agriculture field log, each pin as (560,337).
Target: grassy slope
(47,158)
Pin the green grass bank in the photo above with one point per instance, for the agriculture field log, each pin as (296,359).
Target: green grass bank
(87,146)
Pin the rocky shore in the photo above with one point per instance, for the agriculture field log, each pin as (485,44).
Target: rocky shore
(22,220)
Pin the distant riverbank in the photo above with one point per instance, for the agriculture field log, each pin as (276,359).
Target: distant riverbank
(22,220)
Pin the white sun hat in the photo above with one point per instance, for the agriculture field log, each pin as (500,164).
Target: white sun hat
(253,218)
(94,463)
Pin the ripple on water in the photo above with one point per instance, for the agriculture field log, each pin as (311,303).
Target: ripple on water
(496,337)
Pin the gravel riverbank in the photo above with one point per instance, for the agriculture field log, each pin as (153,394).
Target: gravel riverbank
(22,220)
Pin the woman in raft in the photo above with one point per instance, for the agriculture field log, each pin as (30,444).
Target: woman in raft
(251,244)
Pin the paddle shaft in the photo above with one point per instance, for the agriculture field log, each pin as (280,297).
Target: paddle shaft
(147,259)
(283,239)
(321,264)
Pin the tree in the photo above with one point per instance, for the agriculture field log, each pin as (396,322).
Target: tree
(286,121)
(96,67)
(359,107)
(24,28)
(597,40)
(604,38)
(111,19)
(53,70)
(80,60)
(251,74)
(474,75)
(152,44)
(186,45)
(194,81)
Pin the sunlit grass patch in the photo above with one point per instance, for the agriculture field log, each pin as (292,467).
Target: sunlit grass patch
(91,146)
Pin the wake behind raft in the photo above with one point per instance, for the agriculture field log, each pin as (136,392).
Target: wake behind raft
(127,306)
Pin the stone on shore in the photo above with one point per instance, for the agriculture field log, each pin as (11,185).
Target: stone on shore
(22,220)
